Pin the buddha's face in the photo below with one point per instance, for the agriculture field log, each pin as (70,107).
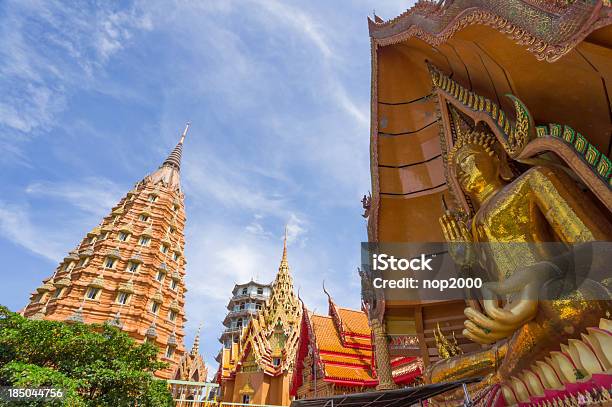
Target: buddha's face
(476,169)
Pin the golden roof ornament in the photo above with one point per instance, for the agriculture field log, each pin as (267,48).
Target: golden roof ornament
(97,282)
(116,321)
(151,332)
(136,257)
(446,348)
(46,287)
(73,255)
(127,287)
(62,282)
(77,316)
(174,306)
(172,339)
(158,297)
(148,231)
(86,253)
(114,253)
(94,232)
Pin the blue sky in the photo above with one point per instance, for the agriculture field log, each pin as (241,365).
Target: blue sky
(94,96)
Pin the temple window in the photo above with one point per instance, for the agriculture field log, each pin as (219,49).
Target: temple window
(93,240)
(123,298)
(276,361)
(92,293)
(244,291)
(143,217)
(242,305)
(123,236)
(172,315)
(83,262)
(171,230)
(164,248)
(160,276)
(58,292)
(152,198)
(144,240)
(110,262)
(155,307)
(133,267)
(246,399)
(175,207)
(173,284)
(176,256)
(257,306)
(169,351)
(239,323)
(104,236)
(260,291)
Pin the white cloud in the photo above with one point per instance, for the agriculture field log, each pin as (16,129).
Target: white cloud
(92,195)
(40,68)
(16,226)
(296,230)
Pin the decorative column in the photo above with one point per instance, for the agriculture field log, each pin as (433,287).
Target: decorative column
(383,361)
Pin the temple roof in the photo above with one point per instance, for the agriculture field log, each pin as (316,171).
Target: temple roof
(274,332)
(340,344)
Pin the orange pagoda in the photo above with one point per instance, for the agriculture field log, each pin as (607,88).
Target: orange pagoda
(129,271)
(335,355)
(259,369)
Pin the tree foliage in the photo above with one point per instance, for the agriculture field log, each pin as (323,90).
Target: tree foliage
(95,365)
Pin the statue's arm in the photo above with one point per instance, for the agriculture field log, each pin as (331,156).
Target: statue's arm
(569,211)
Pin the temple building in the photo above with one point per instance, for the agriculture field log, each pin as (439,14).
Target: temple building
(335,356)
(481,133)
(191,367)
(259,368)
(130,269)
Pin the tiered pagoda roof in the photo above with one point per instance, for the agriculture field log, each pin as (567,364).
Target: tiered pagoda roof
(129,271)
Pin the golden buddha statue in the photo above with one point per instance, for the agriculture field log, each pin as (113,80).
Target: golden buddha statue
(544,204)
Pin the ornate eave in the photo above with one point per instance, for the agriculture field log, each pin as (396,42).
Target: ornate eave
(547,34)
(544,30)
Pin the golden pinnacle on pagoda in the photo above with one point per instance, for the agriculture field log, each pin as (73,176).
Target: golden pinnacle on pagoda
(129,270)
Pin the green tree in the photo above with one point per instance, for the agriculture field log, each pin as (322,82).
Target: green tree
(95,365)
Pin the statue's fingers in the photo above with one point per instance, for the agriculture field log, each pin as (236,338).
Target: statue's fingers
(475,338)
(485,334)
(485,322)
(478,332)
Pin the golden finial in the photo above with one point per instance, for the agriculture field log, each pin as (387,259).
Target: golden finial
(187,126)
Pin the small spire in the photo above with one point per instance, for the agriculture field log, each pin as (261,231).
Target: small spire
(195,349)
(174,159)
(284,259)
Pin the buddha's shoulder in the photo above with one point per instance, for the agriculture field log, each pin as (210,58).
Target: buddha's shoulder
(544,173)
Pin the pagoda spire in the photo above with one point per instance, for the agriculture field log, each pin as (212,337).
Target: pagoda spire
(195,349)
(174,159)
(284,261)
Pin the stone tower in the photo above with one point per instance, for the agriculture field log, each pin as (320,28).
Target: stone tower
(130,269)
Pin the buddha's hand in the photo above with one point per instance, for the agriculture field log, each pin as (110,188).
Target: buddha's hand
(459,238)
(500,322)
